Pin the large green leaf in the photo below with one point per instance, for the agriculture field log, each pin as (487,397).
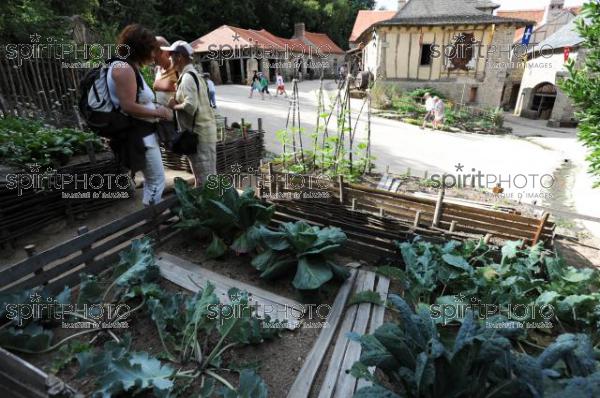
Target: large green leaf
(137,264)
(32,338)
(311,274)
(375,391)
(250,386)
(217,248)
(135,373)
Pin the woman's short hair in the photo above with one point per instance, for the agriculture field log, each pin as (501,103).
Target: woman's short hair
(136,44)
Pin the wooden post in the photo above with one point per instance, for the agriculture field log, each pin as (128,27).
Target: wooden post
(89,146)
(487,238)
(270,171)
(30,250)
(437,215)
(80,231)
(540,228)
(425,175)
(341,183)
(452,226)
(225,121)
(417,219)
(353,204)
(408,172)
(387,169)
(381,212)
(260,124)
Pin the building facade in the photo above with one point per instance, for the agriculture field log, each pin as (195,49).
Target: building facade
(457,47)
(539,95)
(231,54)
(547,21)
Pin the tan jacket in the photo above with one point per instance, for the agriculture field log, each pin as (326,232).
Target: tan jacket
(188,94)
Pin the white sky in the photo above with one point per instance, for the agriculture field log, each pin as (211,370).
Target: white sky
(505,4)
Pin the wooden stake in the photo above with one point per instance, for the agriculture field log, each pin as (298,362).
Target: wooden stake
(417,219)
(341,183)
(540,228)
(452,226)
(437,215)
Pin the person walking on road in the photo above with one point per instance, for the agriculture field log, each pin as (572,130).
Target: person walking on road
(264,85)
(429,108)
(438,113)
(212,91)
(280,85)
(254,84)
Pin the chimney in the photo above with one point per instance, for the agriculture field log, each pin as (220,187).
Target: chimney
(553,9)
(299,30)
(401,3)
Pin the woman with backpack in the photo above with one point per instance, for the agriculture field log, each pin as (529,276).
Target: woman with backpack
(193,111)
(138,146)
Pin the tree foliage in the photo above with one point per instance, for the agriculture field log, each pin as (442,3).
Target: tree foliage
(583,85)
(179,19)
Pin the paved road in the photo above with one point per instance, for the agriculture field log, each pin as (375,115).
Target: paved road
(532,151)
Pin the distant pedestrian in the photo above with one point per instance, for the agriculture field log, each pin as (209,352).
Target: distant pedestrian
(212,91)
(280,85)
(264,85)
(254,84)
(438,113)
(429,108)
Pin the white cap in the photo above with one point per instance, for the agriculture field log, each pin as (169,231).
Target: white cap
(180,46)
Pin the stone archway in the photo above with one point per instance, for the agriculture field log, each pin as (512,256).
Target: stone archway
(543,97)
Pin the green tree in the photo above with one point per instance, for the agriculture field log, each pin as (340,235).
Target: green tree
(583,85)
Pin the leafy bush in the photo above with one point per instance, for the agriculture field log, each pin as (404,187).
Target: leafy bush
(383,94)
(418,93)
(24,141)
(305,249)
(517,275)
(479,362)
(232,219)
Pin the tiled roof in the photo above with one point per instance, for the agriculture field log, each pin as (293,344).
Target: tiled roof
(238,37)
(567,36)
(531,15)
(323,43)
(445,12)
(365,19)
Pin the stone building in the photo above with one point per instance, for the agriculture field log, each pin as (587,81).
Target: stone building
(231,54)
(457,47)
(539,96)
(546,22)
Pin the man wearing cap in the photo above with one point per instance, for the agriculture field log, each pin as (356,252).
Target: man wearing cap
(193,111)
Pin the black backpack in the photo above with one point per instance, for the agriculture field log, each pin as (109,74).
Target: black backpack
(95,105)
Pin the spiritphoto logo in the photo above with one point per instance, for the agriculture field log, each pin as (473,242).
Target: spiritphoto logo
(273,315)
(73,54)
(72,185)
(72,316)
(517,315)
(295,186)
(477,179)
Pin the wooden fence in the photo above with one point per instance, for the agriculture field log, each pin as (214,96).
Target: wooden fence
(90,252)
(39,88)
(405,213)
